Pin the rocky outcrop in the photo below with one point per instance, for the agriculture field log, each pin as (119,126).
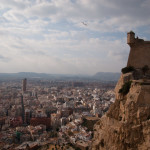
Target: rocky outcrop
(126,125)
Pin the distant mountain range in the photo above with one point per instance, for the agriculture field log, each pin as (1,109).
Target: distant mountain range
(102,76)
(107,76)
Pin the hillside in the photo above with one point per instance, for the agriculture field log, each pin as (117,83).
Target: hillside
(107,76)
(100,76)
(126,125)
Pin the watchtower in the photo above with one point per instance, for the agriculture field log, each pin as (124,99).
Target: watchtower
(139,55)
(130,38)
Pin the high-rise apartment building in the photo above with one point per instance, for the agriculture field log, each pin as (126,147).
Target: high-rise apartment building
(24,85)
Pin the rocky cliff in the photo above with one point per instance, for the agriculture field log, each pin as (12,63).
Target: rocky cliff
(126,125)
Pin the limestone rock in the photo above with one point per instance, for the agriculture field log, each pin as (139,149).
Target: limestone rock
(126,125)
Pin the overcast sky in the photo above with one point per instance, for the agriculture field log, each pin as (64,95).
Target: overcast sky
(69,36)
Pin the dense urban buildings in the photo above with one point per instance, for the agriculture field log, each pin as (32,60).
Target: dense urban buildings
(51,113)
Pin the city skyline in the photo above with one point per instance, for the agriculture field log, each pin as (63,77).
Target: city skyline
(69,36)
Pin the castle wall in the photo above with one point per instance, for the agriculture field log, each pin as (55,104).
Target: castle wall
(139,54)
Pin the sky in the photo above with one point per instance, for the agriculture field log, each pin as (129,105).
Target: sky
(69,36)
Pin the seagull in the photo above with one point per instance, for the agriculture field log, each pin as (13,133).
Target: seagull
(84,23)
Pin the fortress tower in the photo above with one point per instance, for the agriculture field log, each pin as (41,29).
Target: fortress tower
(139,55)
(130,38)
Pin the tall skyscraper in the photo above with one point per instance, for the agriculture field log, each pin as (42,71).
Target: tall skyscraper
(24,85)
(22,104)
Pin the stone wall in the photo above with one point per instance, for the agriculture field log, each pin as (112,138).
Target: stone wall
(139,52)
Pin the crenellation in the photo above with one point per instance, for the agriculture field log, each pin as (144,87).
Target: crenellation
(130,38)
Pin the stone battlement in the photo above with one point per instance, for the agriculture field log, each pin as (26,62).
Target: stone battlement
(139,51)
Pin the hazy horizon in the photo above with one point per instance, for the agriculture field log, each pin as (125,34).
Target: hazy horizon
(57,73)
(69,36)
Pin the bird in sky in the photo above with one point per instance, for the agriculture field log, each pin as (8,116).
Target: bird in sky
(84,23)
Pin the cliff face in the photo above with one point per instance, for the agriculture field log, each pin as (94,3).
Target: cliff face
(126,125)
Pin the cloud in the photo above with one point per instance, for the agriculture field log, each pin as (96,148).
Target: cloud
(102,16)
(69,55)
(48,35)
(19,5)
(4,59)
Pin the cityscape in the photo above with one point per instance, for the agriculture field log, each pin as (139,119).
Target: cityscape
(74,75)
(46,114)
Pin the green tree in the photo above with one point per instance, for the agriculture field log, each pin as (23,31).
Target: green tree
(127,69)
(125,88)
